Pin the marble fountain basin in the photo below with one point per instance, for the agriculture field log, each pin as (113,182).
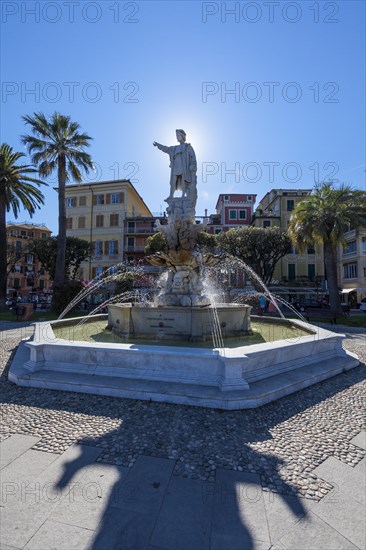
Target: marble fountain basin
(236,377)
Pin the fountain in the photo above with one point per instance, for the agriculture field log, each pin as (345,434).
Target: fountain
(174,364)
(182,310)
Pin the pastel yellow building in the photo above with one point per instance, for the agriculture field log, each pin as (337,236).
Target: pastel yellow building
(274,210)
(96,212)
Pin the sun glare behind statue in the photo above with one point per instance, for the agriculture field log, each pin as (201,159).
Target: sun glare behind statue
(194,133)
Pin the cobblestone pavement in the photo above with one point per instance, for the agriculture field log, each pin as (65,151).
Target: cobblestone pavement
(283,441)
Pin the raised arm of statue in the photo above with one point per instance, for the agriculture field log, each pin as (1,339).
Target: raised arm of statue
(163,148)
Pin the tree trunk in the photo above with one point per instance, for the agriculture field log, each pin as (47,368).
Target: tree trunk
(61,239)
(3,248)
(330,259)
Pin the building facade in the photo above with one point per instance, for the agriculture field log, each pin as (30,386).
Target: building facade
(301,267)
(97,212)
(26,276)
(232,211)
(352,267)
(136,231)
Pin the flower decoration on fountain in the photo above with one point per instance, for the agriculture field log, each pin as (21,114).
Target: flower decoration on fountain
(184,261)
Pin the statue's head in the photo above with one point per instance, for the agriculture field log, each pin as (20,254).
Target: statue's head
(181,135)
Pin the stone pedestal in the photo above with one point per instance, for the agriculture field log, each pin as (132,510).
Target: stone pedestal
(178,323)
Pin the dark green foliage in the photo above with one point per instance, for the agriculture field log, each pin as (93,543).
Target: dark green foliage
(260,248)
(77,250)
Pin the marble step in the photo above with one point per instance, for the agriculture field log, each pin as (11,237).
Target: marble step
(259,393)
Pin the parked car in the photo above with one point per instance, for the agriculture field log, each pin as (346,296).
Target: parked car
(363,305)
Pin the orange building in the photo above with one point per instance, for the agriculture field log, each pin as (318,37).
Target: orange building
(26,276)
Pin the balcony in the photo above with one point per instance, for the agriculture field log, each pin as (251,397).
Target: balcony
(139,249)
(142,230)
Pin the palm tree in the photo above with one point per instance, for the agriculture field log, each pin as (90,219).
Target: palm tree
(16,190)
(57,144)
(324,217)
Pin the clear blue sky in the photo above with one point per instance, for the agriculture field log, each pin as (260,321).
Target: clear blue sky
(168,51)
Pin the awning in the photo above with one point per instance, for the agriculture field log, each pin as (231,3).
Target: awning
(348,290)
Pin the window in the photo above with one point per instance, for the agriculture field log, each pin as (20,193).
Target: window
(23,233)
(16,283)
(350,271)
(98,271)
(226,197)
(70,202)
(41,284)
(291,271)
(311,272)
(98,248)
(232,214)
(131,227)
(42,271)
(113,248)
(311,250)
(18,247)
(290,205)
(242,214)
(217,230)
(350,247)
(29,258)
(115,198)
(114,220)
(130,243)
(100,199)
(81,222)
(44,235)
(250,198)
(100,220)
(68,223)
(266,223)
(82,200)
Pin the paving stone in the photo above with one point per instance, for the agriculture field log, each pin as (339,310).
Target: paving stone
(144,487)
(22,471)
(54,535)
(332,469)
(312,533)
(86,505)
(361,466)
(24,515)
(124,529)
(15,446)
(283,511)
(348,481)
(227,542)
(345,515)
(359,440)
(185,516)
(238,510)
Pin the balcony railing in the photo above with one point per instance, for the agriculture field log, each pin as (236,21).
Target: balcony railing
(134,248)
(148,230)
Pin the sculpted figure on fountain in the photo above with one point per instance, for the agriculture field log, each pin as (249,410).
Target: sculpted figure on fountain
(183,286)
